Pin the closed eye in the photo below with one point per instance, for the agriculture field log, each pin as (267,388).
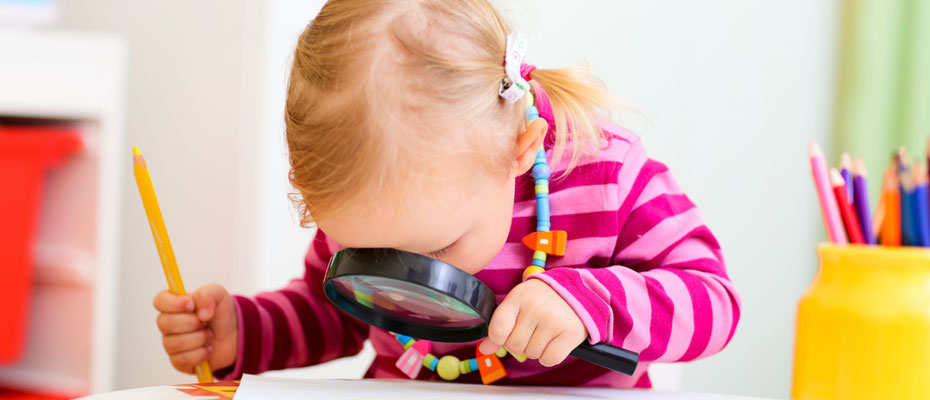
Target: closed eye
(441,252)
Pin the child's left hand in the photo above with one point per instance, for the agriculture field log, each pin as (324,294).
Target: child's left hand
(534,320)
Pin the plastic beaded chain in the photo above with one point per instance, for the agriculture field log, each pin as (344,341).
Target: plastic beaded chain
(413,295)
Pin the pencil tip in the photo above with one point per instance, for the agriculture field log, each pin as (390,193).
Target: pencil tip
(137,157)
(815,149)
(859,167)
(891,178)
(836,177)
(845,160)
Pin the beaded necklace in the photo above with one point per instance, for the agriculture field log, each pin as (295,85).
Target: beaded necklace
(417,352)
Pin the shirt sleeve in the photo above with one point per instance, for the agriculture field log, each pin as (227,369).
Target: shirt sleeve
(666,293)
(296,326)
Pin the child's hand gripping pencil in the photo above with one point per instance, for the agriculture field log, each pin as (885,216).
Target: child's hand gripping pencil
(185,338)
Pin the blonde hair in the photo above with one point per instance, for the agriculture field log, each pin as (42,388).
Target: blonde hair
(349,116)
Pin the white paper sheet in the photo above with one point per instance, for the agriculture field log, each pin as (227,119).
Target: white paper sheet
(259,387)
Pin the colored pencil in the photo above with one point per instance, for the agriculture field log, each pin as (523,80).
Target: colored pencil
(846,170)
(162,242)
(927,155)
(920,205)
(906,186)
(828,206)
(928,152)
(846,210)
(861,201)
(891,223)
(878,217)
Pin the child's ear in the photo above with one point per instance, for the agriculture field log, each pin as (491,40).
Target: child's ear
(528,143)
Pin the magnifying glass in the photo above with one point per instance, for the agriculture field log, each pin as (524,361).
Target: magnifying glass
(424,298)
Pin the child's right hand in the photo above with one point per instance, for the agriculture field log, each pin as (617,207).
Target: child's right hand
(199,327)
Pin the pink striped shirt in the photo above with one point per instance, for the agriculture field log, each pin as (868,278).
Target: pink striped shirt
(641,270)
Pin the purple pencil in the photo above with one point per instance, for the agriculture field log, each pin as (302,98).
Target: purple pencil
(861,203)
(846,167)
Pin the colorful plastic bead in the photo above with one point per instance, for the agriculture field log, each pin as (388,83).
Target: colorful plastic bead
(519,357)
(430,361)
(541,188)
(541,171)
(490,367)
(551,242)
(469,365)
(532,269)
(540,155)
(448,368)
(531,113)
(423,346)
(501,352)
(542,216)
(409,362)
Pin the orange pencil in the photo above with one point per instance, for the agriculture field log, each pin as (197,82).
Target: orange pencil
(891,197)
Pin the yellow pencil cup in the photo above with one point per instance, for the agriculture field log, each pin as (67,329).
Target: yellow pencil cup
(863,327)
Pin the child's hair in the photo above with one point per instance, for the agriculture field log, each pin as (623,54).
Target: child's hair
(367,71)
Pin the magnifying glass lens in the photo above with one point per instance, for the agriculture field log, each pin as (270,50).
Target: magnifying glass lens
(407,301)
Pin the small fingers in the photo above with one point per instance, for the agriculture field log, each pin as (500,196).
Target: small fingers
(168,302)
(173,324)
(521,334)
(186,361)
(538,342)
(501,325)
(175,344)
(557,351)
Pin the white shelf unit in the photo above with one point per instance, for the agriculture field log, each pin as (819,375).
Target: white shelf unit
(75,79)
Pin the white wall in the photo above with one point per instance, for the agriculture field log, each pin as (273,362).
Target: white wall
(182,109)
(273,233)
(733,89)
(205,104)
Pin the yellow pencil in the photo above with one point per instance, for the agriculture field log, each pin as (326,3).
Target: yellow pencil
(160,233)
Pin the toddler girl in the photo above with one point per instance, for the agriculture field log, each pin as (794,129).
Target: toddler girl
(406,130)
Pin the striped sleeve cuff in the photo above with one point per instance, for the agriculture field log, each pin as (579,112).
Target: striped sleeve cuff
(592,311)
(665,314)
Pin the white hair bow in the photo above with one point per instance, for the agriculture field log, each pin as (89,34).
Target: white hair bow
(513,86)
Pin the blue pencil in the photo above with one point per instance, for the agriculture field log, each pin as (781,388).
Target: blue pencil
(921,208)
(906,188)
(907,227)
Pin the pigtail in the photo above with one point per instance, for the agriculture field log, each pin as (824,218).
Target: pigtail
(579,102)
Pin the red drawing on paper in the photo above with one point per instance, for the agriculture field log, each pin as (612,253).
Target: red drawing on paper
(214,391)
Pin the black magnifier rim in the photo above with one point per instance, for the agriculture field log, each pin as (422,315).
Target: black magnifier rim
(417,270)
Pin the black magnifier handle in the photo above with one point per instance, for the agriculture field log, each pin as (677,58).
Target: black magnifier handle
(607,356)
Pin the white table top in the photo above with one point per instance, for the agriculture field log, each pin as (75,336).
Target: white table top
(254,387)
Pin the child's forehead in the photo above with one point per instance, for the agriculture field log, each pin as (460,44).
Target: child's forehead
(419,216)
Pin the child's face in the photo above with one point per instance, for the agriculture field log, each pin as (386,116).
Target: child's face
(460,218)
(463,222)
